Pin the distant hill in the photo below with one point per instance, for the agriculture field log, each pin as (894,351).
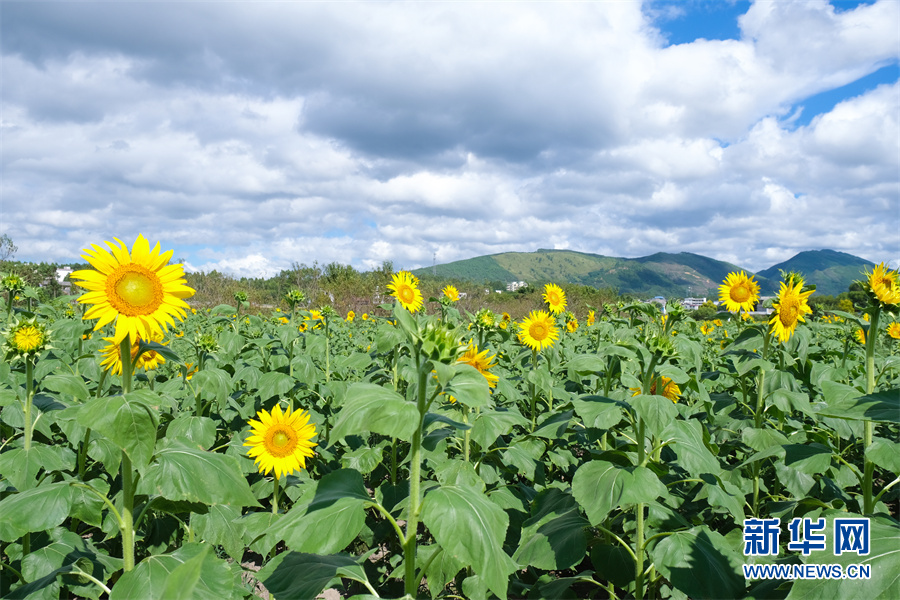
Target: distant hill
(832,272)
(660,274)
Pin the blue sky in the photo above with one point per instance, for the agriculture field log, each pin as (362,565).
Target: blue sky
(250,136)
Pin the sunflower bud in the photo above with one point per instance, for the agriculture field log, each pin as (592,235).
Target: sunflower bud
(25,340)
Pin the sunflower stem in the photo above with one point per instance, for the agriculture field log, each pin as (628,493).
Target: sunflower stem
(412,524)
(533,391)
(126,467)
(275,497)
(869,426)
(758,418)
(29,401)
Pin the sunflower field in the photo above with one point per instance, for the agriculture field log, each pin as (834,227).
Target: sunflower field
(151,449)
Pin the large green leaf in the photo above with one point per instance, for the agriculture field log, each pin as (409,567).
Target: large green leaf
(553,537)
(693,455)
(193,569)
(183,473)
(65,550)
(36,509)
(21,466)
(599,411)
(700,563)
(368,407)
(274,383)
(883,560)
(191,430)
(221,526)
(885,454)
(846,402)
(299,576)
(469,387)
(212,384)
(327,520)
(491,424)
(656,411)
(67,384)
(600,486)
(471,528)
(127,421)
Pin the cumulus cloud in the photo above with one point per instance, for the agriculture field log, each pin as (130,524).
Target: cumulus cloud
(255,136)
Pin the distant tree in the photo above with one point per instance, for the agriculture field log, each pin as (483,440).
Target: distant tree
(7,248)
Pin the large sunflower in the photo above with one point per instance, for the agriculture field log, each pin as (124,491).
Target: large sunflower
(280,441)
(789,309)
(404,288)
(893,330)
(137,290)
(739,291)
(481,361)
(883,283)
(112,355)
(662,386)
(451,293)
(555,298)
(538,331)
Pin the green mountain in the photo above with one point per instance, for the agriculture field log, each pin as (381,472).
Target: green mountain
(832,272)
(660,274)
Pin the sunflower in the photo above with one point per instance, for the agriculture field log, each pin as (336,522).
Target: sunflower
(451,293)
(670,389)
(137,290)
(883,283)
(572,325)
(555,298)
(506,317)
(403,287)
(365,317)
(860,336)
(538,331)
(592,316)
(481,361)
(789,309)
(350,316)
(739,291)
(26,339)
(112,356)
(893,330)
(280,441)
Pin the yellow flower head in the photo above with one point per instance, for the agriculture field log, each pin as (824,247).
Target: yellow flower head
(280,441)
(860,336)
(112,355)
(137,290)
(893,330)
(506,317)
(365,317)
(884,284)
(572,325)
(739,292)
(789,309)
(451,293)
(403,288)
(26,338)
(538,331)
(481,361)
(669,388)
(592,316)
(350,316)
(555,298)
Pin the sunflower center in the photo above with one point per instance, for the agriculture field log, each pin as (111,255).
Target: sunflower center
(134,290)
(406,294)
(538,331)
(280,441)
(740,293)
(788,311)
(28,338)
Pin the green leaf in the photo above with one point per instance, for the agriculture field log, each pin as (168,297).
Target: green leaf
(599,411)
(440,571)
(299,576)
(67,383)
(160,349)
(330,518)
(656,411)
(368,407)
(160,577)
(885,454)
(471,529)
(21,466)
(586,363)
(693,455)
(807,458)
(127,421)
(700,562)
(845,402)
(212,384)
(883,559)
(470,387)
(761,439)
(221,526)
(490,425)
(274,383)
(553,537)
(613,563)
(365,458)
(600,486)
(182,473)
(34,510)
(188,429)
(88,506)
